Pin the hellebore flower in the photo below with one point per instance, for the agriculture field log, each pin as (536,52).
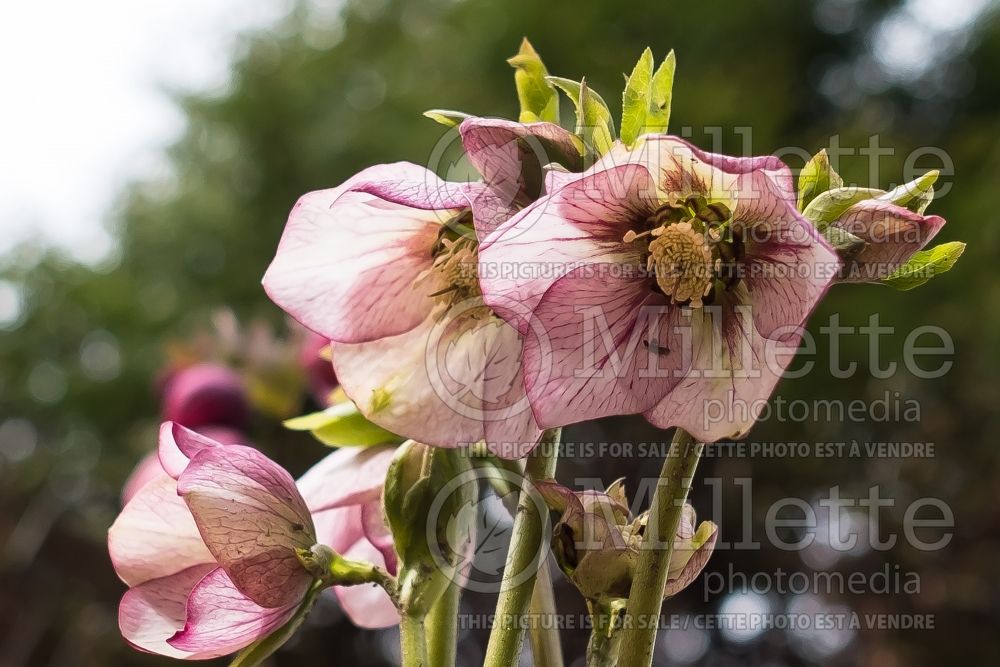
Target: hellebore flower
(663,280)
(891,233)
(209,549)
(205,394)
(596,542)
(384,267)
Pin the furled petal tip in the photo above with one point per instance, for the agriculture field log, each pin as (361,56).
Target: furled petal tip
(252,518)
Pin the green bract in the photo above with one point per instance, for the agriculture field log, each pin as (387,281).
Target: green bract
(646,98)
(539,100)
(926,264)
(342,425)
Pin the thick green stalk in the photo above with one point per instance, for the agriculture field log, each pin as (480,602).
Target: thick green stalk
(442,628)
(412,645)
(519,573)
(646,595)
(543,634)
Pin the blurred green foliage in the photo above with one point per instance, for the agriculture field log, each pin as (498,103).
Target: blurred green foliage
(329,91)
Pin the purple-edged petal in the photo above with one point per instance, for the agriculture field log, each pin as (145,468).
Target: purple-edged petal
(155,535)
(892,233)
(452,381)
(153,612)
(510,155)
(601,343)
(349,257)
(348,476)
(367,605)
(222,620)
(252,519)
(579,224)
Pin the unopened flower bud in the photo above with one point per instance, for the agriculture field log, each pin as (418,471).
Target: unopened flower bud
(596,542)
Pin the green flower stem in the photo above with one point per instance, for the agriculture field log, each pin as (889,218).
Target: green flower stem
(442,628)
(519,573)
(543,634)
(605,638)
(646,595)
(411,641)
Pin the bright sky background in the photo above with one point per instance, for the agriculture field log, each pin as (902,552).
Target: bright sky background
(83,108)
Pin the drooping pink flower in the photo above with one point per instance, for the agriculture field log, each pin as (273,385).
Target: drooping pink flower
(665,281)
(891,233)
(205,394)
(384,266)
(208,548)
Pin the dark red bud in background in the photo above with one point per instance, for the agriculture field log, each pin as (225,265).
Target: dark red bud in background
(206,394)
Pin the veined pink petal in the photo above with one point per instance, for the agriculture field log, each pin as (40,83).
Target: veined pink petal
(733,372)
(452,381)
(154,611)
(787,268)
(155,535)
(367,605)
(348,476)
(178,445)
(222,620)
(601,343)
(510,155)
(579,224)
(349,257)
(252,518)
(893,234)
(145,471)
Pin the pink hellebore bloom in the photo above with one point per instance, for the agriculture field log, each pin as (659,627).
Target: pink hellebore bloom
(208,549)
(377,266)
(663,280)
(892,234)
(384,266)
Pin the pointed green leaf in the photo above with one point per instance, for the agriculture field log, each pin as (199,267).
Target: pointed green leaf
(661,96)
(830,205)
(924,265)
(538,99)
(636,98)
(817,177)
(915,195)
(342,425)
(593,118)
(447,117)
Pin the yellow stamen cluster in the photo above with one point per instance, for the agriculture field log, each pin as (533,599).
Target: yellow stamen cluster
(454,267)
(682,262)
